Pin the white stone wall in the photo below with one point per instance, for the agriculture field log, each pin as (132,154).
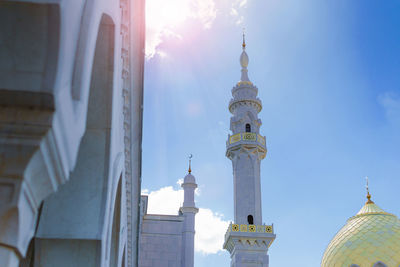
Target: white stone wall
(71,95)
(168,240)
(161,241)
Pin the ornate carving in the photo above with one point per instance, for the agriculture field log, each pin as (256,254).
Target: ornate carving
(252,149)
(126,110)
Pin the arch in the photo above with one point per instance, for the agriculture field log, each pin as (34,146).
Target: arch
(379,264)
(248,128)
(101,85)
(116,227)
(83,200)
(85,56)
(113,184)
(250,219)
(354,265)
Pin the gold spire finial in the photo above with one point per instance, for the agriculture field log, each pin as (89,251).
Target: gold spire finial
(190,163)
(369,201)
(244,41)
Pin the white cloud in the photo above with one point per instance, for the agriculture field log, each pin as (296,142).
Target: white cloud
(210,226)
(166,200)
(163,18)
(236,8)
(205,11)
(210,231)
(391,103)
(240,20)
(242,3)
(234,11)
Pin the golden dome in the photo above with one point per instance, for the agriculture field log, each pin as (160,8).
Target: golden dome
(371,236)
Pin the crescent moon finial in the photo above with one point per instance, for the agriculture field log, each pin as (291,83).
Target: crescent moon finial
(190,163)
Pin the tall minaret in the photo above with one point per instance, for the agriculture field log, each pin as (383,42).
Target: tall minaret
(189,211)
(247,239)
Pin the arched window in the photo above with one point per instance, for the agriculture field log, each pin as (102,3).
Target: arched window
(248,128)
(380,264)
(250,219)
(354,265)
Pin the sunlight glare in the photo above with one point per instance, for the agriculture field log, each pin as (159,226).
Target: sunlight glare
(166,13)
(165,18)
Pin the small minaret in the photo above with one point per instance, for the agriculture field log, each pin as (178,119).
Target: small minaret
(189,211)
(247,239)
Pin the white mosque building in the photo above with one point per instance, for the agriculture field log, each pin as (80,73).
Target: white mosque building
(168,240)
(71,103)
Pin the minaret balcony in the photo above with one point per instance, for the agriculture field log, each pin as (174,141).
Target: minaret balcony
(245,101)
(250,234)
(250,228)
(247,139)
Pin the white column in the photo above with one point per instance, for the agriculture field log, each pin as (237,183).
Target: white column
(189,211)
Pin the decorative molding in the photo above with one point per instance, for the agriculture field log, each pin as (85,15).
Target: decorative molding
(243,239)
(247,148)
(126,110)
(237,102)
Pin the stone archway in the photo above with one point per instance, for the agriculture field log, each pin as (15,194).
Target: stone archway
(116,227)
(29,48)
(73,218)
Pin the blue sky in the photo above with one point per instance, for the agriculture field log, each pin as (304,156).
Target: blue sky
(328,74)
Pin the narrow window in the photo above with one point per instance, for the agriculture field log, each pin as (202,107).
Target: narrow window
(250,219)
(248,128)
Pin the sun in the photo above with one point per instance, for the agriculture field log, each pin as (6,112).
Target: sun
(166,17)
(166,13)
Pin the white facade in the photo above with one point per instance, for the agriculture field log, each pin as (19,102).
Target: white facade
(247,239)
(168,240)
(71,84)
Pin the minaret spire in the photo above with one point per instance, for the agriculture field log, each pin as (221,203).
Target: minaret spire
(244,40)
(369,201)
(190,163)
(244,62)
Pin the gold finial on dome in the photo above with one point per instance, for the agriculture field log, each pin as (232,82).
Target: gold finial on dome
(371,229)
(369,201)
(190,163)
(244,41)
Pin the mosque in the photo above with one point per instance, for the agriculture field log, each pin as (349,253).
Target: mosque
(371,238)
(71,105)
